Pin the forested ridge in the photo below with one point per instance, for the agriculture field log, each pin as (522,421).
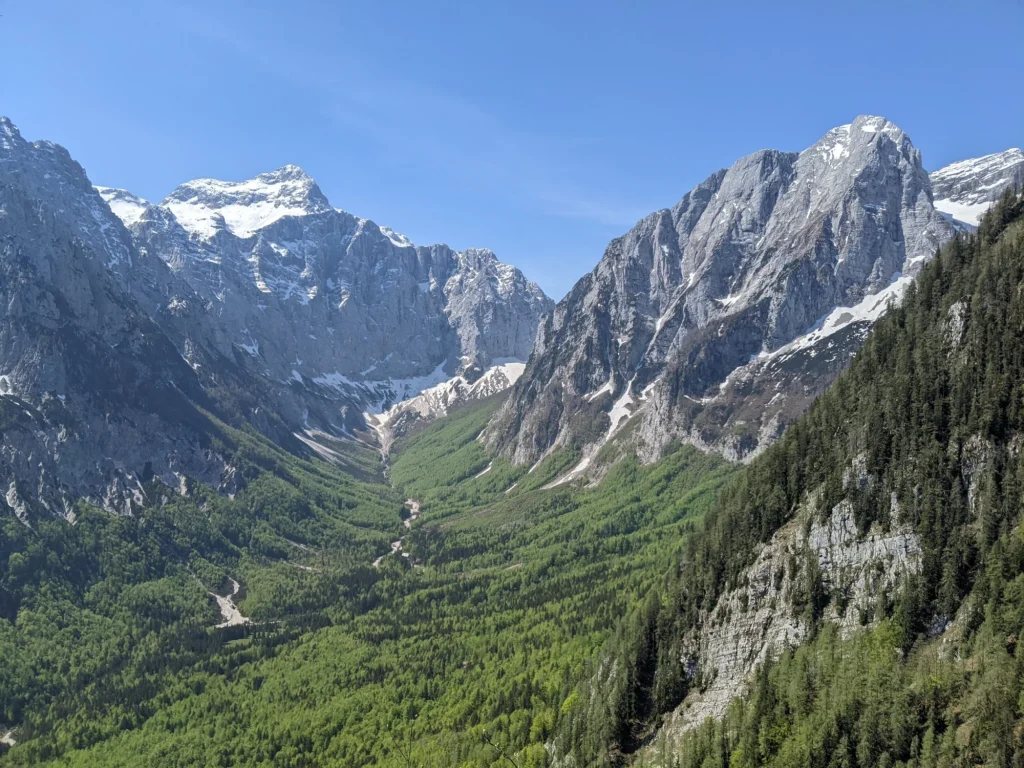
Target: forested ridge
(932,409)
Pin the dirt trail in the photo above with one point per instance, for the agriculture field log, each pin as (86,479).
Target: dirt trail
(396,546)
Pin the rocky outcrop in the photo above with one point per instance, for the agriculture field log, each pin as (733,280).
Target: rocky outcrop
(753,291)
(95,397)
(763,616)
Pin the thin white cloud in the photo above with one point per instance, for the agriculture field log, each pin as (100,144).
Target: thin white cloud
(451,135)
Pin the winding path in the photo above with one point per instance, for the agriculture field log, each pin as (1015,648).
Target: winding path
(396,546)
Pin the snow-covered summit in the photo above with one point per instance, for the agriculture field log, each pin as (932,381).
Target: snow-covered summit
(205,206)
(126,206)
(964,190)
(835,146)
(309,293)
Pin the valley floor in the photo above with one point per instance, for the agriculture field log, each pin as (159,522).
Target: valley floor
(479,619)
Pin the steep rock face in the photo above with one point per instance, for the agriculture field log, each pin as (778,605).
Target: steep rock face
(965,190)
(330,306)
(692,303)
(95,396)
(757,620)
(256,302)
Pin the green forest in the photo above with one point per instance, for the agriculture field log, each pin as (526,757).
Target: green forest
(468,648)
(492,642)
(934,404)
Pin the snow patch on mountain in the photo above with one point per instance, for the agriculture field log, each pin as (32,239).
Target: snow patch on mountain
(966,189)
(968,213)
(126,206)
(396,237)
(867,311)
(437,401)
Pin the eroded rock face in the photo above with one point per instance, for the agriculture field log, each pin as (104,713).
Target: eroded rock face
(95,396)
(758,619)
(681,320)
(329,305)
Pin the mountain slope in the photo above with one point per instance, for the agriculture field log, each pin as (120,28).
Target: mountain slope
(96,397)
(693,299)
(966,189)
(342,316)
(894,503)
(123,353)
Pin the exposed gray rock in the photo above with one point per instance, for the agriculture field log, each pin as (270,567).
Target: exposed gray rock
(755,289)
(756,621)
(95,397)
(328,307)
(256,302)
(965,190)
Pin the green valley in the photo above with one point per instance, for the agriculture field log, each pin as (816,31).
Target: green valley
(482,632)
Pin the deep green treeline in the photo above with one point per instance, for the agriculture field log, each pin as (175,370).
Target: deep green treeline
(932,410)
(484,630)
(99,616)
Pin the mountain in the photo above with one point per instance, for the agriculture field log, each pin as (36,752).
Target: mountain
(96,397)
(965,190)
(339,315)
(125,352)
(717,321)
(855,597)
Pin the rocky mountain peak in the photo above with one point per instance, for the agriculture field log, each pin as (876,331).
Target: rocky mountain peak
(8,129)
(331,307)
(105,391)
(205,206)
(47,172)
(752,259)
(482,265)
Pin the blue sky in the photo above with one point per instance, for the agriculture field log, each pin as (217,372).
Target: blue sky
(540,130)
